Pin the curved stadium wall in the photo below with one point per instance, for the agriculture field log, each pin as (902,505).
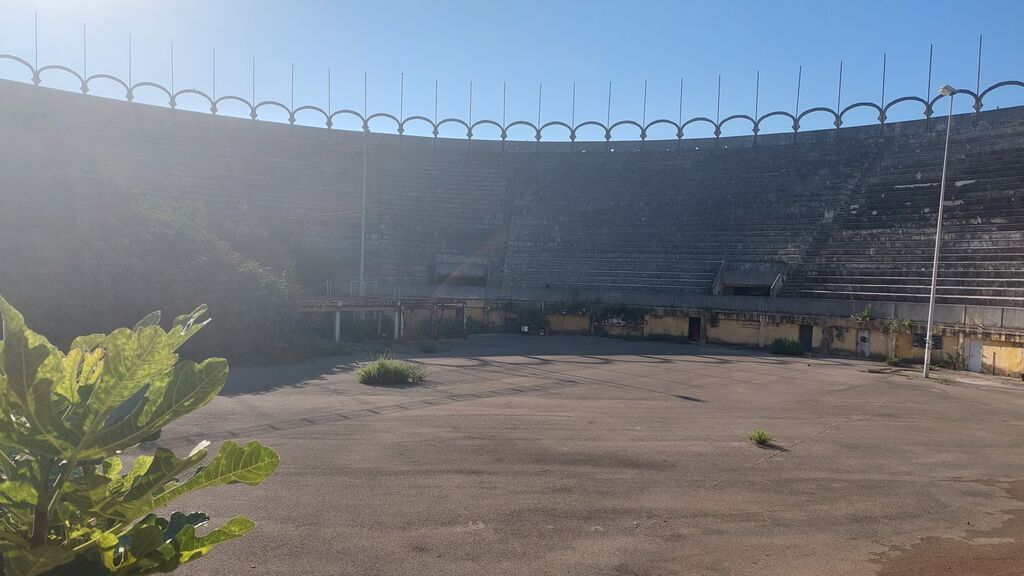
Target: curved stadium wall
(846,215)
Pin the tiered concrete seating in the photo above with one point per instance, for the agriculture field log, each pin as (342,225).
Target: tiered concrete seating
(852,217)
(880,245)
(666,220)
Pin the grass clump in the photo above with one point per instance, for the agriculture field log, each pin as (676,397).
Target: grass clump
(386,371)
(760,437)
(786,346)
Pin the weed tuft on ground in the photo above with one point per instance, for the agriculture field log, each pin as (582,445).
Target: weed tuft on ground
(386,371)
(760,437)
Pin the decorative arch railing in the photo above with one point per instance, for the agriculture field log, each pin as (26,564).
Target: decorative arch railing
(642,128)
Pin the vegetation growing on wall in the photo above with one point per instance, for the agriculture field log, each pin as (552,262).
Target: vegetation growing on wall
(525,314)
(621,314)
(91,266)
(786,346)
(68,504)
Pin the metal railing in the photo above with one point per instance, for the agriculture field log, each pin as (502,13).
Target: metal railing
(572,128)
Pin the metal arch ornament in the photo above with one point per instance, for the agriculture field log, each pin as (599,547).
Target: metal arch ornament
(401,128)
(819,109)
(342,112)
(753,123)
(660,121)
(704,119)
(536,130)
(252,110)
(925,103)
(558,123)
(127,89)
(375,115)
(998,85)
(25,63)
(607,134)
(154,85)
(453,120)
(174,98)
(41,69)
(131,91)
(856,105)
(486,123)
(618,123)
(783,113)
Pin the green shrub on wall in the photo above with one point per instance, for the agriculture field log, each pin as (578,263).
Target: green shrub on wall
(69,506)
(786,346)
(109,262)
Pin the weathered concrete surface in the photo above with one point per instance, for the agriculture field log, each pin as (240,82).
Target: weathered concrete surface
(577,455)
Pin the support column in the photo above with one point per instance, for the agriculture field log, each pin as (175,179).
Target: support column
(337,325)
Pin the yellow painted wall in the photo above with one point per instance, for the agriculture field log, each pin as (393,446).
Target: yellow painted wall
(667,325)
(728,331)
(622,329)
(773,331)
(568,324)
(848,343)
(879,344)
(1005,358)
(905,347)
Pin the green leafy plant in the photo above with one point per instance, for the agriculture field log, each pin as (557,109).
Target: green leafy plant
(896,326)
(760,437)
(862,316)
(786,346)
(386,371)
(68,505)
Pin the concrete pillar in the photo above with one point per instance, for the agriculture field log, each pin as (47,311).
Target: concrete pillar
(337,325)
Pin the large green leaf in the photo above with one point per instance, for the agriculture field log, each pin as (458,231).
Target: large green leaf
(191,546)
(130,496)
(32,367)
(32,561)
(188,387)
(80,368)
(249,464)
(133,359)
(186,326)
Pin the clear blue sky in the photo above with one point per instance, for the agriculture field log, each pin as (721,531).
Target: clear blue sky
(528,42)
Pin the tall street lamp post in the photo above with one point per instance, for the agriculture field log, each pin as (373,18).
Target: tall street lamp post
(947,91)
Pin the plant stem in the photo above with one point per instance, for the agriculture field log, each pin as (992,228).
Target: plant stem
(42,509)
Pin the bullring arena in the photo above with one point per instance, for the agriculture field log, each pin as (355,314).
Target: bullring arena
(604,310)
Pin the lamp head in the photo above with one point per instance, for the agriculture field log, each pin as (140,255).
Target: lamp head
(947,90)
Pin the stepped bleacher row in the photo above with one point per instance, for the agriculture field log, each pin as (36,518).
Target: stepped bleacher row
(852,217)
(880,245)
(666,222)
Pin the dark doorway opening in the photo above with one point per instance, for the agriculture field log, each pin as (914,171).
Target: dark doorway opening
(806,335)
(694,329)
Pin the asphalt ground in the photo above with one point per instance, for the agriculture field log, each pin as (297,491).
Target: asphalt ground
(589,456)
